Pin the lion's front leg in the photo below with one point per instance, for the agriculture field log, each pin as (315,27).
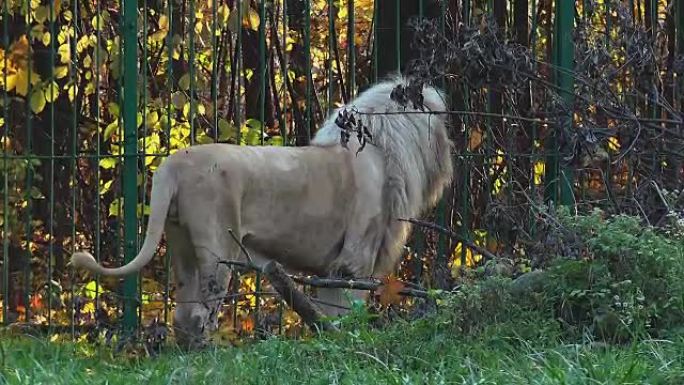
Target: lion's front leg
(352,264)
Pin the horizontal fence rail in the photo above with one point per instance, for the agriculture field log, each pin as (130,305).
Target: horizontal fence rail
(96,93)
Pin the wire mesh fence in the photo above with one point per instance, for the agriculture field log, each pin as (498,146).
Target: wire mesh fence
(576,103)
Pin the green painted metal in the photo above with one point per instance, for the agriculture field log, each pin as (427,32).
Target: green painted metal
(466,156)
(331,50)
(73,159)
(309,79)
(51,224)
(559,180)
(262,67)
(5,177)
(680,27)
(238,70)
(130,168)
(29,180)
(397,35)
(441,217)
(679,22)
(351,44)
(98,150)
(283,120)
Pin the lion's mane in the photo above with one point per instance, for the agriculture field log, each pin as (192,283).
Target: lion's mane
(417,155)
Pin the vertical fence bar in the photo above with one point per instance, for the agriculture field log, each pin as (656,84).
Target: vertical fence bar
(74,150)
(29,176)
(283,67)
(262,68)
(169,85)
(397,35)
(375,32)
(98,149)
(130,61)
(679,23)
(442,240)
(533,127)
(262,119)
(238,72)
(560,181)
(351,44)
(214,68)
(331,34)
(309,76)
(51,232)
(143,151)
(466,156)
(5,189)
(191,58)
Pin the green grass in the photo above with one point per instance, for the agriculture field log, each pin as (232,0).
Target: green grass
(424,352)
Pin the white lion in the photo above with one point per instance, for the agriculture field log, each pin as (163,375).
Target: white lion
(321,209)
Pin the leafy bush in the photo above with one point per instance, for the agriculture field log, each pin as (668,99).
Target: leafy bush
(626,281)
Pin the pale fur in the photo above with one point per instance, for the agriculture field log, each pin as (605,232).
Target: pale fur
(320,209)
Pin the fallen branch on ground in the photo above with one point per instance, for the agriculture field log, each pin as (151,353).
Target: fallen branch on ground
(364,284)
(298,301)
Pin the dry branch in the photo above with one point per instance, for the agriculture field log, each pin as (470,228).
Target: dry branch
(298,301)
(365,284)
(479,249)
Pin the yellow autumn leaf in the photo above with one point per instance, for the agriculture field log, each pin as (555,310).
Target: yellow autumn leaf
(46,39)
(64,52)
(538,172)
(223,14)
(164,22)
(37,101)
(252,19)
(19,51)
(71,92)
(614,144)
(61,71)
(21,82)
(11,82)
(51,92)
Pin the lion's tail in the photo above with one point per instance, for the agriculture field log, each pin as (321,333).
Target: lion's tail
(160,200)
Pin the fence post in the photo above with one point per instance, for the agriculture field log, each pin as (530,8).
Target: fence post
(130,170)
(560,179)
(679,23)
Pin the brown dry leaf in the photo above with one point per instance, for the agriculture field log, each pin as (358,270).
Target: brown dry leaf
(475,139)
(390,291)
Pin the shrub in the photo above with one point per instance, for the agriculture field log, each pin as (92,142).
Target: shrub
(626,281)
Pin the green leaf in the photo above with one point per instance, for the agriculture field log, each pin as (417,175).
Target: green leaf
(113,109)
(37,101)
(106,187)
(111,129)
(184,82)
(226,130)
(203,138)
(114,207)
(276,141)
(178,99)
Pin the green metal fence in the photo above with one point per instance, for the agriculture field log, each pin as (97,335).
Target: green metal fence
(96,93)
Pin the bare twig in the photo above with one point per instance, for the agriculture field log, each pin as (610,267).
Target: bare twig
(481,250)
(242,247)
